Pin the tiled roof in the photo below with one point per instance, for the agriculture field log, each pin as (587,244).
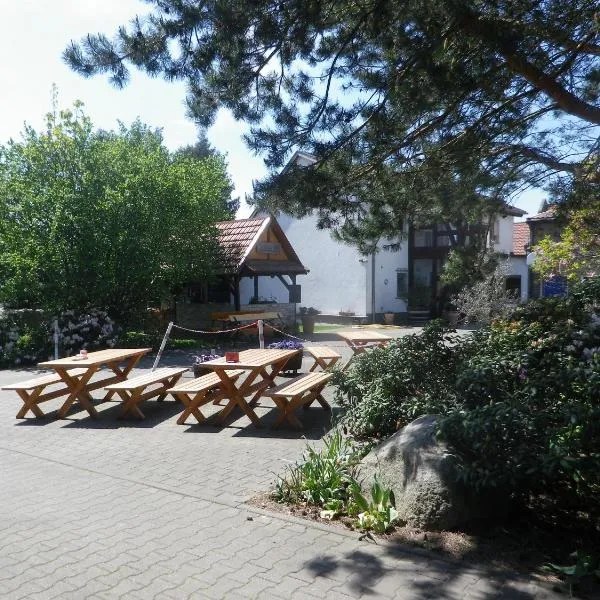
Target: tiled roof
(520,239)
(237,239)
(236,236)
(547,215)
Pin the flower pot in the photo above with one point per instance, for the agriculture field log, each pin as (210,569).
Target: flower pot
(388,318)
(308,324)
(294,363)
(200,370)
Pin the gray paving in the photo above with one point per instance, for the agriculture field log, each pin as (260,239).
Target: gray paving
(124,509)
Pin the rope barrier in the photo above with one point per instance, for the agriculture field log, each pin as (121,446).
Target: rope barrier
(232,330)
(218,331)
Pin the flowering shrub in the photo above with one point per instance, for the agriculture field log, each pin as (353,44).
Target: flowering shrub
(27,337)
(91,330)
(519,400)
(24,338)
(286,345)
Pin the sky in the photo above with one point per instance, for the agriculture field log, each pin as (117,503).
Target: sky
(33,35)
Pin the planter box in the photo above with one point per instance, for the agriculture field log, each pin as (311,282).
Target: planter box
(294,364)
(199,370)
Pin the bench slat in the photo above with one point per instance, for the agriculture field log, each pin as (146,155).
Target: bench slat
(141,381)
(298,385)
(205,382)
(44,380)
(322,352)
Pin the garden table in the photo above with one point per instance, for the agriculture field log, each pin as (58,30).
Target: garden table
(360,340)
(262,366)
(119,361)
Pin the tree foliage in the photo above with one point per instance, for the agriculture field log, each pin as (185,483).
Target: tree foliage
(202,149)
(103,218)
(577,254)
(425,108)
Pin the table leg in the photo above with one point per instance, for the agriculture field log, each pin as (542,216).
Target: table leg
(236,395)
(77,391)
(269,379)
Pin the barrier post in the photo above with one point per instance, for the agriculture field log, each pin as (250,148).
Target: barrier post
(55,339)
(261,334)
(162,345)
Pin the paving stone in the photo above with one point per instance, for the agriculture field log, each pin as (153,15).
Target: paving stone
(141,510)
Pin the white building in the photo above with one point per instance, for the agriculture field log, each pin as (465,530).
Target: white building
(341,280)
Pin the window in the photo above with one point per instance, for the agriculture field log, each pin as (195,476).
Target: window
(424,238)
(513,284)
(401,283)
(495,233)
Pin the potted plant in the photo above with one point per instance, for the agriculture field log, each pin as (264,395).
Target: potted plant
(308,317)
(388,318)
(197,367)
(294,363)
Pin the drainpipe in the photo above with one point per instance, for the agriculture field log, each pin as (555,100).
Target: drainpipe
(373,285)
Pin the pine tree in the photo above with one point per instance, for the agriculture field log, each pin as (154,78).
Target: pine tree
(425,108)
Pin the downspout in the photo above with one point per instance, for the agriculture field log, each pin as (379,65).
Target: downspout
(373,285)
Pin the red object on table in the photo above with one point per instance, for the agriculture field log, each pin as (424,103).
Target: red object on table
(232,357)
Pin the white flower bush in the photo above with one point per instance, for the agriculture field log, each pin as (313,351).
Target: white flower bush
(91,330)
(23,341)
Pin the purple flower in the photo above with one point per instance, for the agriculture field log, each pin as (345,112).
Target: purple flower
(286,345)
(522,374)
(202,358)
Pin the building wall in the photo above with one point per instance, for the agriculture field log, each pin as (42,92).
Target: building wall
(337,280)
(505,230)
(519,267)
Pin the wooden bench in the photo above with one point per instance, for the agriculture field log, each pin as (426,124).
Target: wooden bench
(300,391)
(200,391)
(32,393)
(324,357)
(132,391)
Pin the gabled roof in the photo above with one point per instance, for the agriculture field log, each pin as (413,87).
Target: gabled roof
(512,211)
(239,238)
(547,215)
(520,239)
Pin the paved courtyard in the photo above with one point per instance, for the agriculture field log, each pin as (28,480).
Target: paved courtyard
(125,509)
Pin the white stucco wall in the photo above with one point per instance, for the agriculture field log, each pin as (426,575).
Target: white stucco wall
(518,266)
(387,264)
(337,279)
(505,230)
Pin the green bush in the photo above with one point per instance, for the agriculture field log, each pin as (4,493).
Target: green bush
(519,401)
(386,388)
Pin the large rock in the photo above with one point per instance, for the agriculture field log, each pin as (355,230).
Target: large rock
(422,473)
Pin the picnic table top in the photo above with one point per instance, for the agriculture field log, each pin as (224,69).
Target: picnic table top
(251,359)
(99,357)
(363,335)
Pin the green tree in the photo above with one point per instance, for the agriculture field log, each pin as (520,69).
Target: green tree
(576,254)
(422,108)
(103,218)
(202,149)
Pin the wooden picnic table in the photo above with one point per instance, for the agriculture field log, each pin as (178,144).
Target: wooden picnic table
(262,366)
(120,361)
(360,340)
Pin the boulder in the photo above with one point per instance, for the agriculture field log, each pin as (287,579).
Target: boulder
(422,474)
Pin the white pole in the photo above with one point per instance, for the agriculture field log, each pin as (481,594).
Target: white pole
(162,345)
(55,339)
(261,334)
